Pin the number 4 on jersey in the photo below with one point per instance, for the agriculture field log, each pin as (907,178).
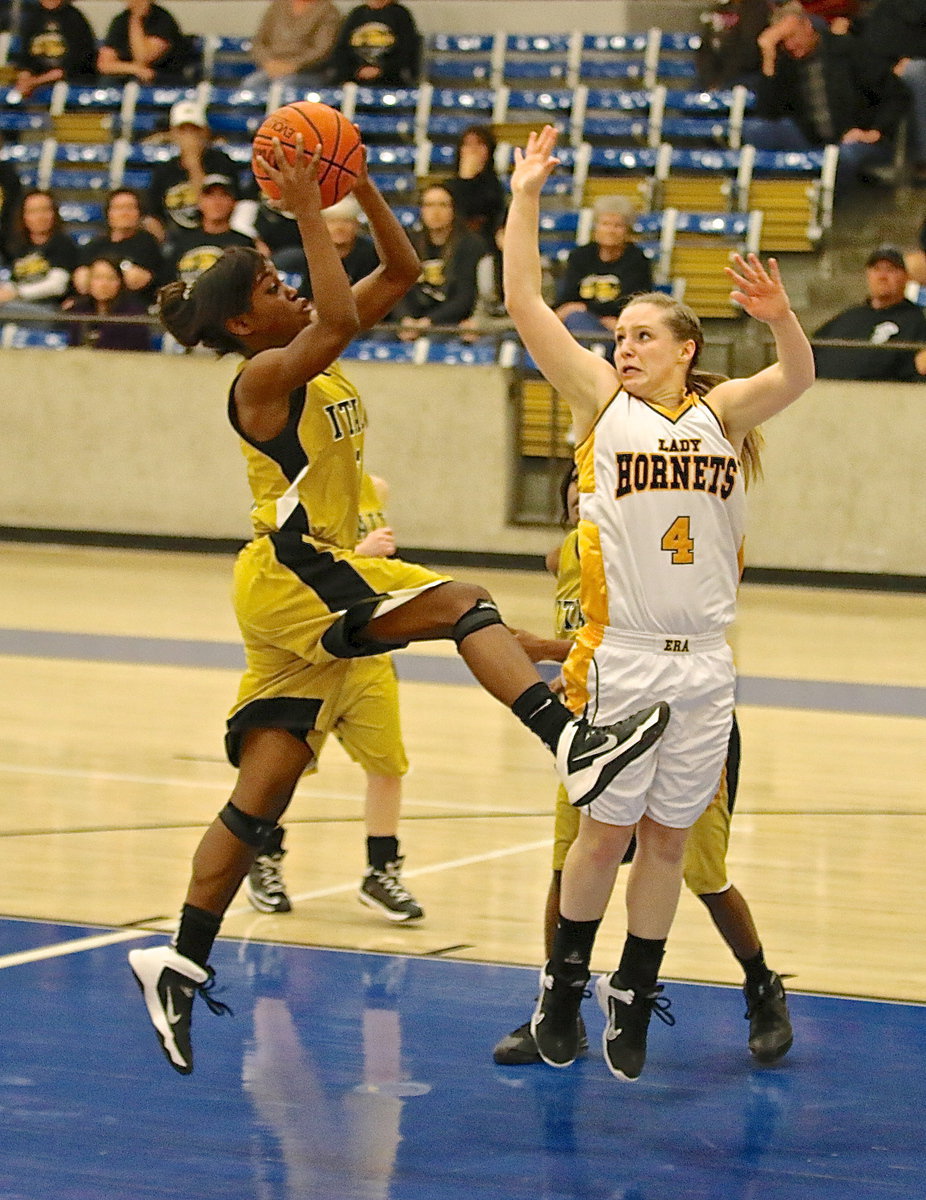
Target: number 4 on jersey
(678,541)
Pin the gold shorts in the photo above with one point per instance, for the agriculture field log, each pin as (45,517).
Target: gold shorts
(705,863)
(298,603)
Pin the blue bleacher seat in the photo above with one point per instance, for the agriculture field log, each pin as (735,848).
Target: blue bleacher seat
(616,115)
(373,350)
(25,337)
(391,114)
(542,57)
(453,109)
(470,56)
(453,352)
(608,57)
(74,212)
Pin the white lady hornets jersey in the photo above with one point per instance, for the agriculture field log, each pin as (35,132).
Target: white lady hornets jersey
(662,515)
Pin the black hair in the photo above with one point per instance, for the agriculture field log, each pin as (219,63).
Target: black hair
(485,135)
(126,191)
(195,313)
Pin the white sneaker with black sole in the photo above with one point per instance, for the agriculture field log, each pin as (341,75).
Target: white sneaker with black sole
(169,983)
(588,756)
(385,892)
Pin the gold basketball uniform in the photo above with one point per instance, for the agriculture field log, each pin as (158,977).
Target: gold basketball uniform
(300,592)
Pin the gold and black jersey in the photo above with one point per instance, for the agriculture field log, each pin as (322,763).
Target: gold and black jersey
(307,479)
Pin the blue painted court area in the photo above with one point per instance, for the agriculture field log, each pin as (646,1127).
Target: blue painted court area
(347,1076)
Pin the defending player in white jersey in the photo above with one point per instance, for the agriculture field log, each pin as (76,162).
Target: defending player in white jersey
(661,456)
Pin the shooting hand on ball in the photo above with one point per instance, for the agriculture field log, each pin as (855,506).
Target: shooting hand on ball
(297,181)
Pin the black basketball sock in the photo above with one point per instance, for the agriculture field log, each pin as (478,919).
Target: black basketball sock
(198,930)
(640,962)
(758,974)
(382,850)
(543,713)
(572,948)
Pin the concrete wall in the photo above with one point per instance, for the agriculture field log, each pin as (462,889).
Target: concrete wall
(240,17)
(138,444)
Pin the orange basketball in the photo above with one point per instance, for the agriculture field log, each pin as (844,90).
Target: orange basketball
(319,124)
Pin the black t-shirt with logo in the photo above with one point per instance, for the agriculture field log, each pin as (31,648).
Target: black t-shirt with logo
(604,287)
(57,39)
(171,197)
(194,251)
(386,38)
(903,322)
(33,264)
(141,249)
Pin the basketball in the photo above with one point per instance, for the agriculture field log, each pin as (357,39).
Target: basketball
(319,124)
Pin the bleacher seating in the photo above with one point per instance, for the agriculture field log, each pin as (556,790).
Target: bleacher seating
(696,246)
(465,58)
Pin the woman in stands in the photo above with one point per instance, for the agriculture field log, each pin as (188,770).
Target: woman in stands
(306,602)
(42,259)
(661,456)
(445,293)
(477,191)
(108,295)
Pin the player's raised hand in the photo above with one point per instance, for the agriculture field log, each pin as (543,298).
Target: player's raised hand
(758,291)
(533,164)
(297,181)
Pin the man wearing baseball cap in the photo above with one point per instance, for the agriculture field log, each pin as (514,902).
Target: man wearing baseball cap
(195,250)
(885,317)
(176,185)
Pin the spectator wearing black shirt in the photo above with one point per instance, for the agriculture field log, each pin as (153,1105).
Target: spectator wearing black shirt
(817,89)
(478,193)
(56,42)
(126,242)
(175,185)
(895,31)
(144,42)
(378,46)
(445,293)
(42,259)
(601,277)
(885,316)
(108,296)
(10,192)
(729,51)
(196,250)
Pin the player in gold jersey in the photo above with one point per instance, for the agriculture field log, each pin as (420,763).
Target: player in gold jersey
(366,723)
(705,868)
(662,454)
(306,603)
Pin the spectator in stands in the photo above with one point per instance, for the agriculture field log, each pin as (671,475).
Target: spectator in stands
(885,316)
(477,191)
(445,293)
(729,51)
(175,185)
(294,43)
(128,243)
(108,296)
(145,43)
(10,192)
(42,259)
(895,31)
(56,41)
(379,46)
(817,88)
(602,276)
(196,250)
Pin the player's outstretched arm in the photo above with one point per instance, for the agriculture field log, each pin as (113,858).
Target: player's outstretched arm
(582,378)
(379,292)
(744,403)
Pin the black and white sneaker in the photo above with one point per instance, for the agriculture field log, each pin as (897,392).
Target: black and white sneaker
(169,983)
(264,885)
(385,892)
(518,1048)
(770,1032)
(556,1026)
(589,756)
(628,1015)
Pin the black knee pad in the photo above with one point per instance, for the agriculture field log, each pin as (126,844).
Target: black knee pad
(482,614)
(252,831)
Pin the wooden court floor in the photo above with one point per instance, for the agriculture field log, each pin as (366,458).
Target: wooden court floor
(118,668)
